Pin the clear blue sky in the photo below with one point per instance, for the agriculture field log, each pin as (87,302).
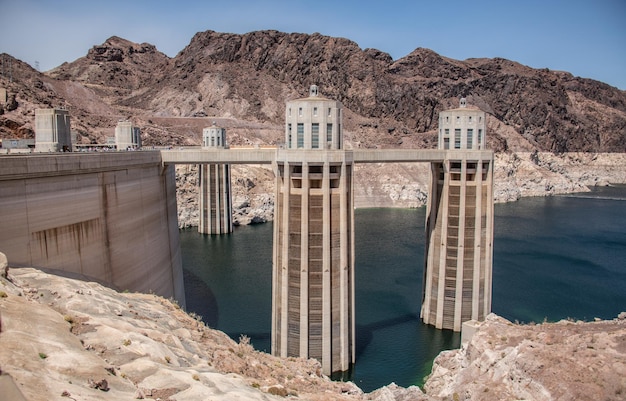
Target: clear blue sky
(586,38)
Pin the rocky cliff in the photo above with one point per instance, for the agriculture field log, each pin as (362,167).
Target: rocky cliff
(390,102)
(65,338)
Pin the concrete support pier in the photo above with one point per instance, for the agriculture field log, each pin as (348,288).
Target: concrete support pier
(215,194)
(215,199)
(313,257)
(459,225)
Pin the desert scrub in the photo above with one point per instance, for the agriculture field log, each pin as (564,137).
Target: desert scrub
(277,390)
(127,342)
(244,345)
(195,316)
(68,319)
(174,303)
(3,294)
(42,355)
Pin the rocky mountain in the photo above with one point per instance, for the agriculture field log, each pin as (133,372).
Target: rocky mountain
(244,80)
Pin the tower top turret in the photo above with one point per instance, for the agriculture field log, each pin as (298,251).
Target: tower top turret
(462,128)
(214,136)
(313,122)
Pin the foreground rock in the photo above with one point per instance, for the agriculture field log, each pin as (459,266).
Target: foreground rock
(63,338)
(68,338)
(551,361)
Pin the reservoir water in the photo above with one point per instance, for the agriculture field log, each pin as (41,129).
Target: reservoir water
(554,258)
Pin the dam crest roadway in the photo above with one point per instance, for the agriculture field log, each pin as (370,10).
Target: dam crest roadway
(195,155)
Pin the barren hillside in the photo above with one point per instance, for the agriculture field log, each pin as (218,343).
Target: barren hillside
(246,79)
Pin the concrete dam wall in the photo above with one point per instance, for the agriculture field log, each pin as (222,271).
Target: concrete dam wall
(106,216)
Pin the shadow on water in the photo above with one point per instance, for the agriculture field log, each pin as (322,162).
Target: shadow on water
(200,299)
(228,280)
(365,333)
(405,356)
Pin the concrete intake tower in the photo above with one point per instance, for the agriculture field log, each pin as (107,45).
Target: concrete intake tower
(215,194)
(459,224)
(313,257)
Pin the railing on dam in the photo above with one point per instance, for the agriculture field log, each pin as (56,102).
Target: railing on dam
(214,155)
(267,156)
(47,164)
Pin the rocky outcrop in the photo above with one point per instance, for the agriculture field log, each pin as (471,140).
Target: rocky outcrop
(521,174)
(566,360)
(255,210)
(64,337)
(253,194)
(11,103)
(116,63)
(187,201)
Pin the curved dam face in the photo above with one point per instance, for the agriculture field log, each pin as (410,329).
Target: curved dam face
(106,216)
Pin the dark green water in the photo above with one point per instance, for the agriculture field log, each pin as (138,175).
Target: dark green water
(554,258)
(560,257)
